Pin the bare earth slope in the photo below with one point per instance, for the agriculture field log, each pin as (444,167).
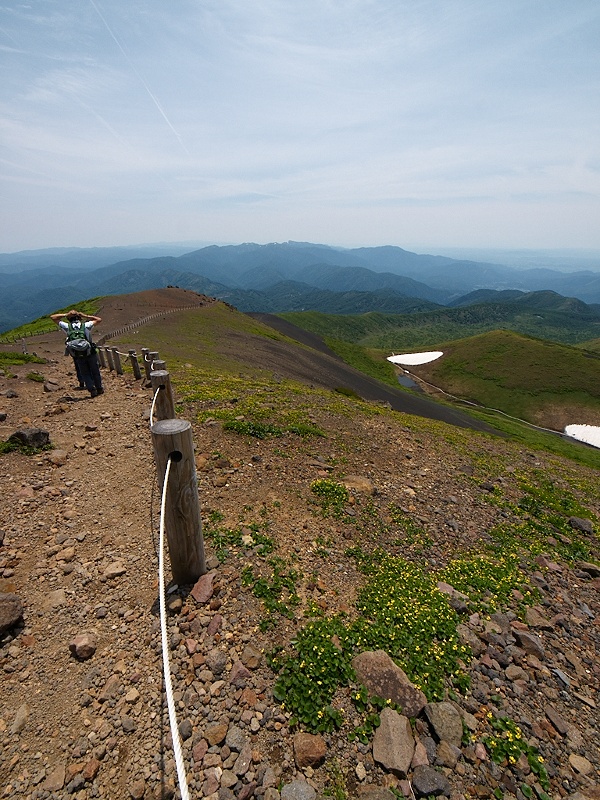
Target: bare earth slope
(77,545)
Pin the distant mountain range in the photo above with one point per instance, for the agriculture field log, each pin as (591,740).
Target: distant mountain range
(291,276)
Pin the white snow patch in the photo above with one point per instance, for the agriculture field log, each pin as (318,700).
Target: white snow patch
(590,434)
(415,358)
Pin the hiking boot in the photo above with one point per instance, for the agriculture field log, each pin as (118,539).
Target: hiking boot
(81,386)
(100,390)
(93,392)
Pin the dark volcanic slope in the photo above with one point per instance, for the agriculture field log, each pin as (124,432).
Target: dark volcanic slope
(323,367)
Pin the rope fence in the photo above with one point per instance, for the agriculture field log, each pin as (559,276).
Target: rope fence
(180,515)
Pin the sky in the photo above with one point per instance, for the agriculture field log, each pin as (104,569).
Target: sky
(418,123)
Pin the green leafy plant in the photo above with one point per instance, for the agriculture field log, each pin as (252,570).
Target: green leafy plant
(506,745)
(277,591)
(308,680)
(331,496)
(35,376)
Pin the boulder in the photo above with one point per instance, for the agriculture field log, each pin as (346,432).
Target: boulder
(383,678)
(393,742)
(446,722)
(31,437)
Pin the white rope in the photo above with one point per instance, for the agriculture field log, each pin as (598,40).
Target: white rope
(165,647)
(152,406)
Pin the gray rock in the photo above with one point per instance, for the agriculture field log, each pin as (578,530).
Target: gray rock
(530,643)
(243,761)
(298,790)
(20,719)
(393,742)
(428,781)
(470,638)
(584,525)
(11,611)
(31,437)
(446,722)
(384,678)
(236,739)
(593,570)
(216,661)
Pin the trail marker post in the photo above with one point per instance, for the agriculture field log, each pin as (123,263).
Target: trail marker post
(117,360)
(165,403)
(172,439)
(137,374)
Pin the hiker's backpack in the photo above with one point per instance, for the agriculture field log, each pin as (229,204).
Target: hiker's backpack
(78,342)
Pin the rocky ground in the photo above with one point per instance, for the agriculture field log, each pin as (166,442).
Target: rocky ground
(82,709)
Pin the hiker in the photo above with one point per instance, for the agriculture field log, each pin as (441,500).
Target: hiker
(80,347)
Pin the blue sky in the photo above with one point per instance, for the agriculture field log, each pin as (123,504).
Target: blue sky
(419,123)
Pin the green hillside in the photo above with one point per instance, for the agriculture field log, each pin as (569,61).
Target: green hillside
(399,332)
(543,382)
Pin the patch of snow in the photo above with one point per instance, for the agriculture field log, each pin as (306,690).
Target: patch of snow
(590,434)
(415,358)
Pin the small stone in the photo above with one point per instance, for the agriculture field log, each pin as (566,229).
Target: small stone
(251,657)
(55,780)
(580,764)
(11,611)
(203,589)
(428,781)
(83,646)
(298,790)
(114,570)
(215,734)
(137,789)
(20,719)
(309,750)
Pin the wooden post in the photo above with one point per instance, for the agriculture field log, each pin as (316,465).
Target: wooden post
(109,358)
(117,360)
(135,364)
(172,438)
(164,407)
(158,364)
(145,355)
(152,357)
(101,357)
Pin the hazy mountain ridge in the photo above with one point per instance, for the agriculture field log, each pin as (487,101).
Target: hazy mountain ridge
(250,275)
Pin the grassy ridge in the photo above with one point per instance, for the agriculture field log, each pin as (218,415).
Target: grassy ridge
(542,382)
(45,324)
(401,332)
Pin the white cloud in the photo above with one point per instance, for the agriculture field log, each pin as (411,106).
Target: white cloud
(451,122)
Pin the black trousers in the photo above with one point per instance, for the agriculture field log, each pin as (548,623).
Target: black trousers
(88,371)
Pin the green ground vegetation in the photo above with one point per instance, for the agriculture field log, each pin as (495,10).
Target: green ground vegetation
(45,324)
(406,332)
(8,359)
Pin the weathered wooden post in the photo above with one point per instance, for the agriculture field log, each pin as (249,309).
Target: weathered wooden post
(109,358)
(172,439)
(117,360)
(135,364)
(145,356)
(101,357)
(164,407)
